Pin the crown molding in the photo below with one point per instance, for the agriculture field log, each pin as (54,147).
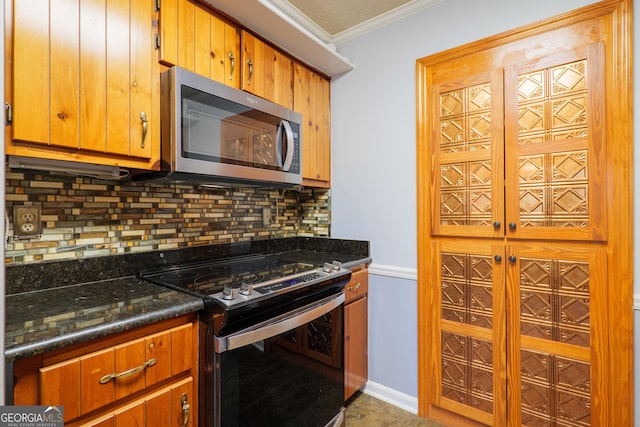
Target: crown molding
(285,26)
(273,24)
(358,30)
(382,20)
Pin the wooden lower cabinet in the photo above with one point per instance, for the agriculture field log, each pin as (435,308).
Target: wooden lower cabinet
(356,333)
(167,407)
(143,377)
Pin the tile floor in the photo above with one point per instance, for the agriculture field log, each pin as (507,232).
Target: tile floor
(363,410)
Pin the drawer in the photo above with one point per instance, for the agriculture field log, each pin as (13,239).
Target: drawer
(97,379)
(358,286)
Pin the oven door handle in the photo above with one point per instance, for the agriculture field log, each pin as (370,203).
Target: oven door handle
(279,325)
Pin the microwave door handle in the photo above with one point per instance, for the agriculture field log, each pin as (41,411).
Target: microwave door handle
(279,144)
(290,145)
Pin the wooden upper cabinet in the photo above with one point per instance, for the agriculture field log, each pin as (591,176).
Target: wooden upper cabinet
(194,38)
(312,100)
(467,151)
(556,146)
(266,72)
(518,151)
(84,82)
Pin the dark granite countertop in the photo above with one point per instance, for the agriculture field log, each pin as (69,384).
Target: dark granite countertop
(51,305)
(49,319)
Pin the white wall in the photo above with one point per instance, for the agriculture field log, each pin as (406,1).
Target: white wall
(373,155)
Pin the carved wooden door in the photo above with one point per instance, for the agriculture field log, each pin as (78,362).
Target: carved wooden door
(517,252)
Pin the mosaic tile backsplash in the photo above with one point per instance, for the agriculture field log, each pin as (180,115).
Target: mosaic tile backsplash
(88,217)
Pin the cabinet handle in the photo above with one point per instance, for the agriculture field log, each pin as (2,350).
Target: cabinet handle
(498,258)
(512,259)
(185,409)
(354,287)
(497,225)
(232,58)
(8,114)
(145,127)
(250,71)
(107,378)
(512,226)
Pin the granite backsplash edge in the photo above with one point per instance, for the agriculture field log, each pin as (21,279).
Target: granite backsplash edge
(51,274)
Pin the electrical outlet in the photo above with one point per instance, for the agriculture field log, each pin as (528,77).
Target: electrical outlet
(26,221)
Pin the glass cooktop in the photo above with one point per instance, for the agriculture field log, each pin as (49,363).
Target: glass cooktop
(210,277)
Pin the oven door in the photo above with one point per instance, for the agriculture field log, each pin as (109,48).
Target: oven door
(284,372)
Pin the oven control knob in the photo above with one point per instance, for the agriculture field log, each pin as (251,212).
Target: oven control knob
(228,293)
(246,289)
(337,265)
(327,267)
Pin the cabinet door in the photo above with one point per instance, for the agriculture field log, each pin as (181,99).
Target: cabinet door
(556,145)
(31,71)
(225,52)
(467,177)
(93,67)
(355,346)
(194,38)
(253,65)
(469,331)
(312,100)
(278,81)
(140,82)
(266,72)
(183,404)
(557,350)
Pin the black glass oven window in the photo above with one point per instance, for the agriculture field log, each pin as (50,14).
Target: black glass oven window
(288,380)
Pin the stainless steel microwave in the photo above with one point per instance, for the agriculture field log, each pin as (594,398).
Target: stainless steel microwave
(212,133)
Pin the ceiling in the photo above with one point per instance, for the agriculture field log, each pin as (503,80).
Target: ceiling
(311,29)
(335,21)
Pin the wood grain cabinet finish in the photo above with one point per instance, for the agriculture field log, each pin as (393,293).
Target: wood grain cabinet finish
(83,82)
(149,380)
(193,37)
(518,234)
(356,365)
(312,99)
(266,71)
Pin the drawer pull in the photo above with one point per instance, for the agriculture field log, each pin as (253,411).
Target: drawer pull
(107,378)
(354,287)
(186,409)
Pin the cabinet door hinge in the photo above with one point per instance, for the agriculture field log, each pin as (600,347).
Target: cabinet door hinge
(156,41)
(8,114)
(157,5)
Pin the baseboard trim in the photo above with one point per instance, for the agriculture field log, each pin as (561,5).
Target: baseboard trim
(391,396)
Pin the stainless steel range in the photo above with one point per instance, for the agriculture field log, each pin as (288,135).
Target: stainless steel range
(270,339)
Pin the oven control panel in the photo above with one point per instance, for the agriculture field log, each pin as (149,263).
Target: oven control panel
(233,295)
